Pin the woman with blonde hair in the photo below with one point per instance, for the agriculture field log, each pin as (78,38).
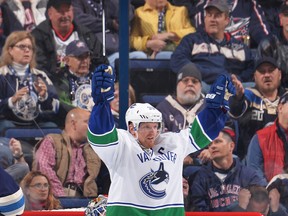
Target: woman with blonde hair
(26,94)
(38,192)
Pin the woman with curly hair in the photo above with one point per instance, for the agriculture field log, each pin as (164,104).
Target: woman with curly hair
(38,192)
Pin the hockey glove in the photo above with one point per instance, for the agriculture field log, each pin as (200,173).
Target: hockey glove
(103,84)
(220,92)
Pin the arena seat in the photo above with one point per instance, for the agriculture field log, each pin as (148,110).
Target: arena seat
(152,79)
(30,132)
(29,137)
(72,202)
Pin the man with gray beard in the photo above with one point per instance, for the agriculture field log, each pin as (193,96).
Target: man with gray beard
(180,110)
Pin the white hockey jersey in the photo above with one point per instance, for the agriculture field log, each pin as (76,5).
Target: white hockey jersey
(148,181)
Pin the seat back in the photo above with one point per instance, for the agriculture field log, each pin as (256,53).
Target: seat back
(29,137)
(151,77)
(33,133)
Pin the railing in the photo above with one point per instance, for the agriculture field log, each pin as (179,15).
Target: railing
(81,213)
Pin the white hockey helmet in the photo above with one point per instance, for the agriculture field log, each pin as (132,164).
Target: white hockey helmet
(142,112)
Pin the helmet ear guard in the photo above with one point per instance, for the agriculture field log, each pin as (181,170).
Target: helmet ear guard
(133,126)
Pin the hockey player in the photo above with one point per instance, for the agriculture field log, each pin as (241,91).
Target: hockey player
(146,166)
(11,196)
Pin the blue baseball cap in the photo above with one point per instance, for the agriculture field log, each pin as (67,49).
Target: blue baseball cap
(76,48)
(266,59)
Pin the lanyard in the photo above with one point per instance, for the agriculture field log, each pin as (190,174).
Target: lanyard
(27,77)
(161,21)
(75,82)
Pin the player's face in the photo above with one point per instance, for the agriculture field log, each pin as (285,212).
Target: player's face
(147,133)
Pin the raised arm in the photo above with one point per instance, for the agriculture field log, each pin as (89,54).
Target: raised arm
(101,124)
(211,120)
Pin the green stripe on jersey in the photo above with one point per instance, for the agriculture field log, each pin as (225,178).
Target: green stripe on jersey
(103,139)
(199,136)
(130,211)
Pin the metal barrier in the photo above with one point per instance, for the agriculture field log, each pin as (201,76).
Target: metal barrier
(223,214)
(80,213)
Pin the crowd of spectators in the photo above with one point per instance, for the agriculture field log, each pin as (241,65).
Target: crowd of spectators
(50,49)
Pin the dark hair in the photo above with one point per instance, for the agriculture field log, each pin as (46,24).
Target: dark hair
(259,194)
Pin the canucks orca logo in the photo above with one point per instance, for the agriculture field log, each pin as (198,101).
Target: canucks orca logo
(150,181)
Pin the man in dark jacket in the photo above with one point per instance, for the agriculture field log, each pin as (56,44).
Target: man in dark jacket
(247,21)
(54,34)
(217,185)
(212,50)
(89,14)
(254,108)
(276,45)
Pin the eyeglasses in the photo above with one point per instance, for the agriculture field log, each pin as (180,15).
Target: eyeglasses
(40,186)
(23,47)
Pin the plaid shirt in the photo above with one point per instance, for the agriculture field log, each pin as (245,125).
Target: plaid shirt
(47,162)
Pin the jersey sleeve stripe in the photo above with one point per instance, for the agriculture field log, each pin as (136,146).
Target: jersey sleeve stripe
(103,139)
(12,204)
(206,126)
(198,136)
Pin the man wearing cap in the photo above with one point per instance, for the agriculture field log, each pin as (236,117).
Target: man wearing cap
(73,85)
(217,184)
(253,108)
(268,149)
(247,21)
(179,111)
(54,34)
(212,50)
(276,46)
